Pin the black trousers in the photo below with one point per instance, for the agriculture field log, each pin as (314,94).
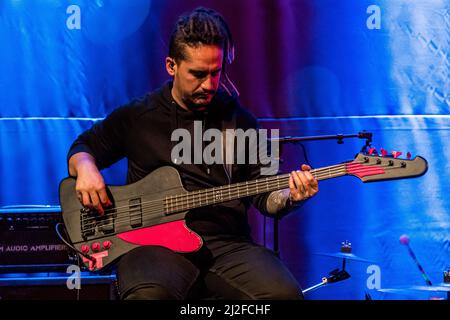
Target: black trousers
(225,268)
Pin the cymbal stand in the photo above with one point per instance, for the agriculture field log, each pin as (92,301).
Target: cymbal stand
(335,276)
(447,281)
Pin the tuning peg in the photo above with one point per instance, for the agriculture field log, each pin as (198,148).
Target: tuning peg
(408,155)
(396,154)
(383,152)
(372,151)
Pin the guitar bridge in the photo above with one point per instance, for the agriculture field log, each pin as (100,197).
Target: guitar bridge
(87,223)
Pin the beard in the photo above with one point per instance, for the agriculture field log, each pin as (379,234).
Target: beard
(199,101)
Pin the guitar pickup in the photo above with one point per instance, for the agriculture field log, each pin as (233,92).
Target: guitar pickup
(135,212)
(106,223)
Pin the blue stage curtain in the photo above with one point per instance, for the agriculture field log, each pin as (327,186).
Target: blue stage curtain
(307,67)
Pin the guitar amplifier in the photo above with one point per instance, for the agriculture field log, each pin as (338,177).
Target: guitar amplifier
(53,286)
(29,242)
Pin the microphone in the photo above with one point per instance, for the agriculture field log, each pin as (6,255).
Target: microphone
(404,239)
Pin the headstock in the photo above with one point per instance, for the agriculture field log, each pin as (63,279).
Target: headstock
(373,167)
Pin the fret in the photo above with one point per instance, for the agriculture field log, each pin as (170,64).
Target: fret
(278,182)
(229,192)
(256,186)
(267,184)
(246,184)
(218,195)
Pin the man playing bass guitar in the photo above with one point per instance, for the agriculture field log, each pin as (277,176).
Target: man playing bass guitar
(229,265)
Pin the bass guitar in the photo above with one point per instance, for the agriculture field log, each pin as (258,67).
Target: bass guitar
(151,211)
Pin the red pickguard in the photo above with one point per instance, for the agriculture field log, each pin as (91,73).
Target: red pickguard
(174,235)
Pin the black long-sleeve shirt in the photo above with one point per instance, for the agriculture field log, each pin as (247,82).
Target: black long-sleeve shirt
(141,131)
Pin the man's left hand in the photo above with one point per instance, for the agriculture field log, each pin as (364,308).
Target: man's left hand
(302,184)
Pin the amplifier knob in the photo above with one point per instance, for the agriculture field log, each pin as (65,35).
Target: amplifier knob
(96,246)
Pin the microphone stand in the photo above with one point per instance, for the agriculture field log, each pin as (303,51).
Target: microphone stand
(339,137)
(340,140)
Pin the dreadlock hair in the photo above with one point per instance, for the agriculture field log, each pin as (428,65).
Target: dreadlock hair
(200,27)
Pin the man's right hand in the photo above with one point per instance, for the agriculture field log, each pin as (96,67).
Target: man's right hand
(90,186)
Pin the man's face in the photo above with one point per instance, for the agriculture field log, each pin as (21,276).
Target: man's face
(196,78)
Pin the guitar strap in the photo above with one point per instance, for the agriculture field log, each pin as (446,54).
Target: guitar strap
(228,145)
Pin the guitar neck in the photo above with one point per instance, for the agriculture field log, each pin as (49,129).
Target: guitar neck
(206,197)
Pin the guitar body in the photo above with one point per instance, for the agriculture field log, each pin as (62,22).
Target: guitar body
(138,217)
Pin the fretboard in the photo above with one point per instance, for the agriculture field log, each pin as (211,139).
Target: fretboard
(210,196)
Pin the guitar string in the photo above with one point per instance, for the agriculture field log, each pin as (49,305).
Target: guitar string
(181,201)
(126,223)
(160,210)
(208,191)
(161,207)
